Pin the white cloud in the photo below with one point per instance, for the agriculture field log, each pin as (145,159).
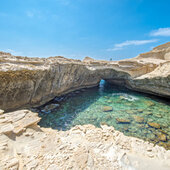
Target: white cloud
(132,42)
(161,32)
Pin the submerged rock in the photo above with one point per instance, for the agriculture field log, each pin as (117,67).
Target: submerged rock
(130,111)
(129,104)
(148,113)
(151,136)
(164,131)
(109,101)
(120,120)
(138,119)
(122,97)
(59,99)
(107,108)
(103,123)
(140,110)
(149,103)
(165,145)
(125,128)
(50,107)
(158,116)
(162,137)
(154,125)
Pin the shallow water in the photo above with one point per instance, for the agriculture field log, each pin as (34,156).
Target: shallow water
(134,109)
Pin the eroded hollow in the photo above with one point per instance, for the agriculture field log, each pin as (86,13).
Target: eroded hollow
(135,114)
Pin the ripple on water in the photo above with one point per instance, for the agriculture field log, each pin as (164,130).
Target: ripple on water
(132,113)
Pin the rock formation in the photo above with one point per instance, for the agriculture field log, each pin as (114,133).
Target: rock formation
(27,82)
(24,145)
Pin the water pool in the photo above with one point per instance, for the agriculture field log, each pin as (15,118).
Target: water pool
(135,114)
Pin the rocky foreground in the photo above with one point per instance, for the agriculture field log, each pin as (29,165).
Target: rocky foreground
(27,82)
(24,145)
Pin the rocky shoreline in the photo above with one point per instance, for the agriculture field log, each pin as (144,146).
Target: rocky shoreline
(25,145)
(31,82)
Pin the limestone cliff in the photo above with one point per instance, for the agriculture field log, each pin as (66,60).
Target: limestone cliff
(26,82)
(32,81)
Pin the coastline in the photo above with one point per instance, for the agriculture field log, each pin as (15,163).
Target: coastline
(30,82)
(25,145)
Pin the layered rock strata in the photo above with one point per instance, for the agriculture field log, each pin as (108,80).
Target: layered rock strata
(29,82)
(24,145)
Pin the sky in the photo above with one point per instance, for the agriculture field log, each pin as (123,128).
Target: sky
(101,29)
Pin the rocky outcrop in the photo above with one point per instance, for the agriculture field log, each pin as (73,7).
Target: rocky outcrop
(27,82)
(24,145)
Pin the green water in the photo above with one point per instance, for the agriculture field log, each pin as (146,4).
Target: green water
(86,107)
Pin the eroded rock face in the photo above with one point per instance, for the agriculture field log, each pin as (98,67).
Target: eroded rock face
(149,72)
(27,146)
(26,82)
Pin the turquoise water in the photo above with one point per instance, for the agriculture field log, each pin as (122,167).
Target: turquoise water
(130,112)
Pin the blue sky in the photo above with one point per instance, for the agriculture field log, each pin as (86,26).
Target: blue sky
(101,29)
